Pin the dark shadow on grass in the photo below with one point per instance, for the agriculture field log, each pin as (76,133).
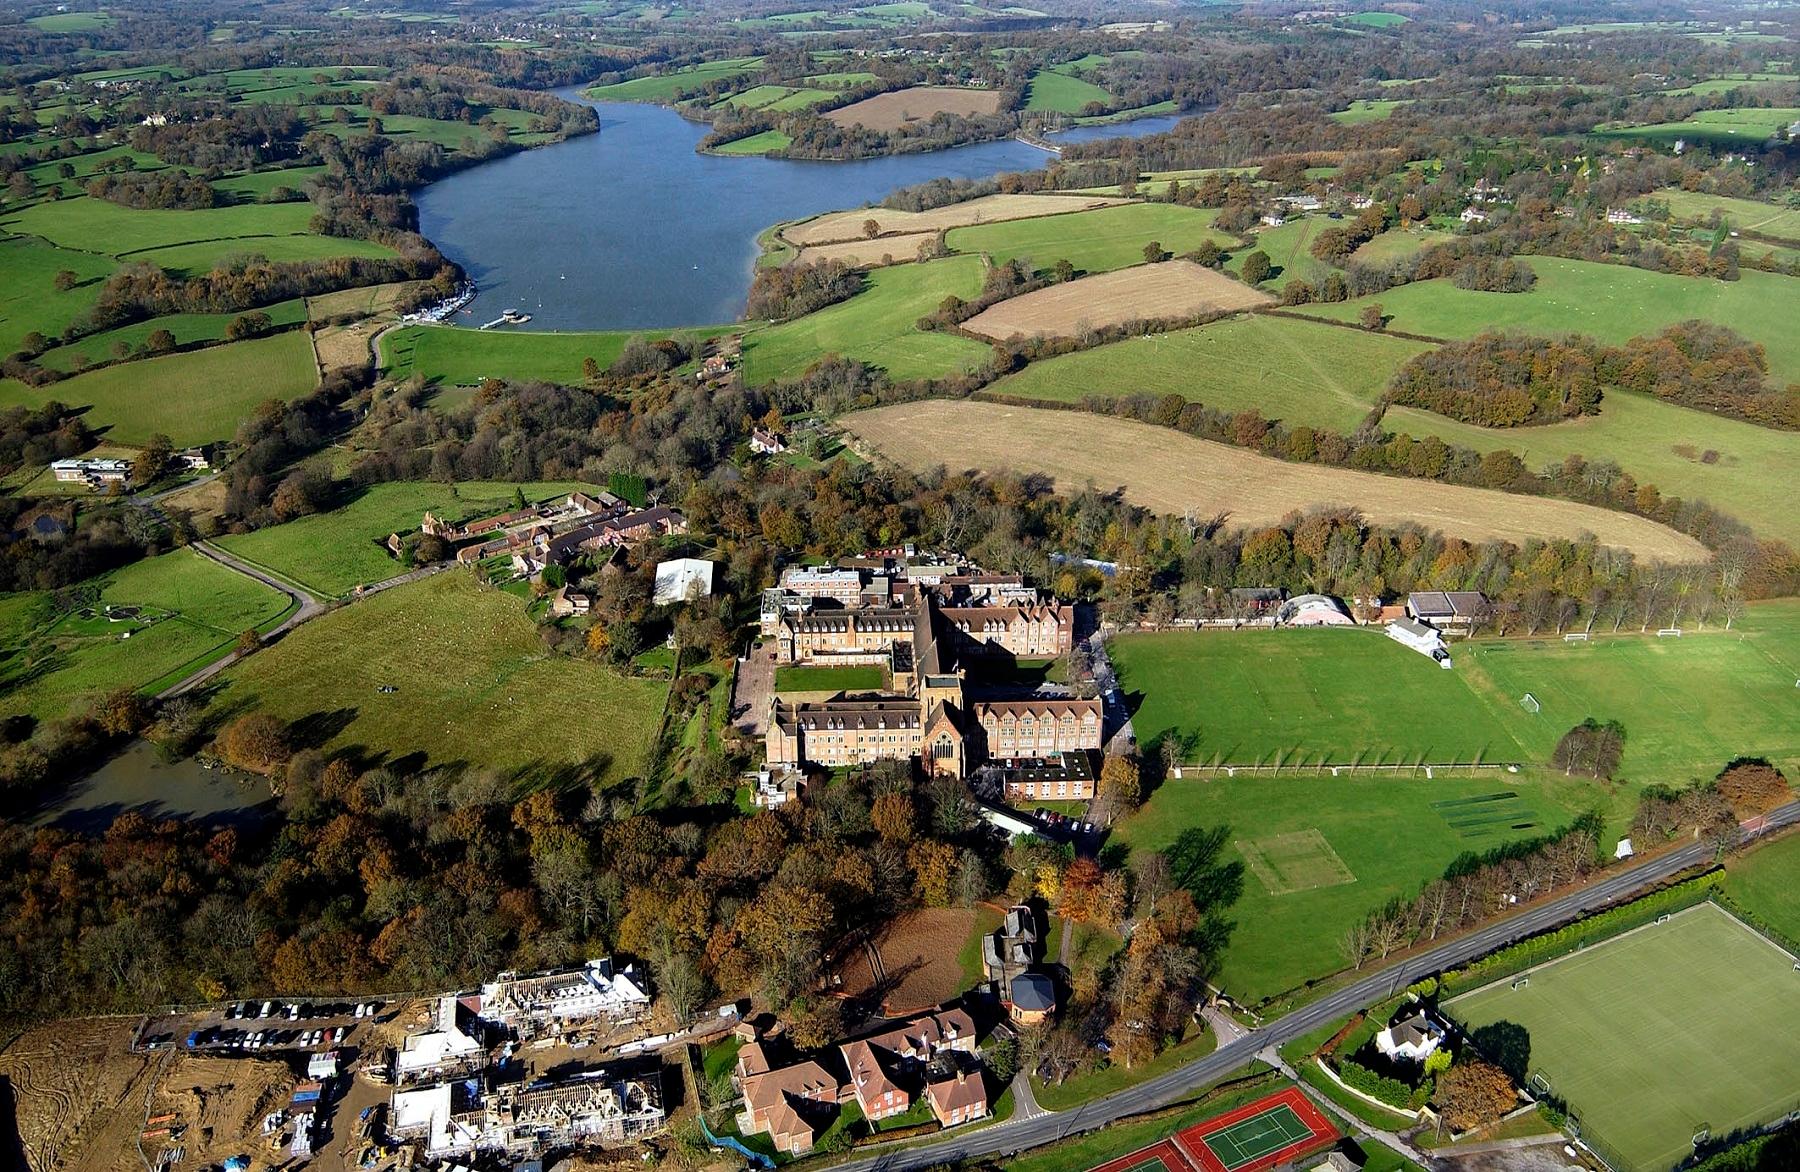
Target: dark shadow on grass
(315,730)
(1507,1045)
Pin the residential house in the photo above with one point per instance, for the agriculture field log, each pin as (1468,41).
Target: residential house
(1427,641)
(193,460)
(1473,215)
(958,1099)
(791,1104)
(767,443)
(1622,216)
(887,1070)
(568,602)
(1412,1039)
(525,1120)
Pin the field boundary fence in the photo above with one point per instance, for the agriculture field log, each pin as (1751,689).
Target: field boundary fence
(1755,922)
(1427,769)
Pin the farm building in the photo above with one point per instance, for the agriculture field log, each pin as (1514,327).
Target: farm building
(1449,610)
(1314,610)
(564,998)
(1425,640)
(98,474)
(683,580)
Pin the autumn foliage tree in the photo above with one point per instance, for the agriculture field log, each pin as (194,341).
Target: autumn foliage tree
(1753,787)
(1474,1093)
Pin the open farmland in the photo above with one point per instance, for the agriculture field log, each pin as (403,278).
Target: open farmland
(919,103)
(207,234)
(333,553)
(29,299)
(1096,241)
(665,87)
(1059,91)
(1398,244)
(1744,215)
(989,209)
(1289,369)
(1695,1046)
(463,357)
(863,254)
(191,610)
(1173,289)
(1169,472)
(474,681)
(187,329)
(1720,129)
(1609,302)
(193,398)
(876,326)
(1289,249)
(1388,834)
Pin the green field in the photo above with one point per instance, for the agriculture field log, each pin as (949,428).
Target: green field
(29,298)
(1375,19)
(1369,110)
(463,357)
(70,22)
(775,97)
(1762,881)
(1399,244)
(1689,705)
(1057,92)
(333,553)
(665,87)
(1288,369)
(203,255)
(1748,127)
(1289,249)
(756,144)
(1391,835)
(1699,1043)
(876,326)
(199,609)
(95,225)
(1609,302)
(475,685)
(1720,85)
(829,679)
(1096,241)
(192,398)
(1745,215)
(188,328)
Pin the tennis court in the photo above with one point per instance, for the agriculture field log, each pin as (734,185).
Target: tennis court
(1254,1138)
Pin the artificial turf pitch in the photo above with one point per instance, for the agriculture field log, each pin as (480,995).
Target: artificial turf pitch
(1651,1037)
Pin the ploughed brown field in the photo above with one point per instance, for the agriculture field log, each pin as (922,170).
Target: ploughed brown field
(989,209)
(892,110)
(1172,289)
(1169,472)
(918,955)
(865,254)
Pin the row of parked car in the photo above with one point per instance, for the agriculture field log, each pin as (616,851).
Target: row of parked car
(298,1010)
(1062,822)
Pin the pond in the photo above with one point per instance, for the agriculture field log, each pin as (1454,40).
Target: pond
(139,779)
(630,228)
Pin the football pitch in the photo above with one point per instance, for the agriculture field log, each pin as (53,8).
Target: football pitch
(1700,1043)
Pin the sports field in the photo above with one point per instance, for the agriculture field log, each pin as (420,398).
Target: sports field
(1702,1042)
(1762,881)
(1171,472)
(876,326)
(474,685)
(1273,1130)
(192,398)
(1096,241)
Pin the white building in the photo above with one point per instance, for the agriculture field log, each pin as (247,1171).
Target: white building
(558,1000)
(683,580)
(1411,1039)
(1474,215)
(96,473)
(448,1047)
(1425,640)
(1314,610)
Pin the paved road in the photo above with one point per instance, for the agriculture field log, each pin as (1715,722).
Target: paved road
(1018,1134)
(306,607)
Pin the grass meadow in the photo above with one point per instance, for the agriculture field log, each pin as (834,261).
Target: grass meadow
(1286,368)
(876,326)
(463,357)
(1390,835)
(1762,881)
(664,87)
(52,667)
(475,686)
(188,328)
(1697,1045)
(1057,92)
(1289,248)
(96,225)
(1727,129)
(1745,215)
(756,144)
(195,397)
(867,678)
(333,553)
(29,298)
(1369,110)
(1094,241)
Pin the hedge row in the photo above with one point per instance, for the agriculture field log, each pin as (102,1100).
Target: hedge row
(1358,1077)
(1599,926)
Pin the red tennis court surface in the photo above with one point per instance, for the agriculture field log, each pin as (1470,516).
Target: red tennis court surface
(1254,1138)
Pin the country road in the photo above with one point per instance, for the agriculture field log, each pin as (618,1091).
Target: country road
(1019,1134)
(306,607)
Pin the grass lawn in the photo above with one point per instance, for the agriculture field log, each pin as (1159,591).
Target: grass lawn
(664,87)
(333,553)
(1725,129)
(1745,215)
(475,686)
(1695,1045)
(829,679)
(1763,881)
(1097,241)
(756,144)
(193,398)
(1375,19)
(1298,371)
(100,226)
(1389,835)
(968,958)
(70,22)
(876,326)
(188,328)
(1399,244)
(463,357)
(1080,1088)
(203,255)
(29,298)
(195,611)
(1369,110)
(775,97)
(1289,249)
(1057,92)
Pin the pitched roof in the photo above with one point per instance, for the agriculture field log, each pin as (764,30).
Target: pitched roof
(1033,993)
(954,1094)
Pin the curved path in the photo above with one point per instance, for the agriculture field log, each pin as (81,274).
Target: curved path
(1018,1134)
(306,607)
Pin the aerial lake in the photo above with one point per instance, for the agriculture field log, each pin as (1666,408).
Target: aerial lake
(140,780)
(630,228)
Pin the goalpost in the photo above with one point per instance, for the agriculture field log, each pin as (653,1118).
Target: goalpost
(1530,703)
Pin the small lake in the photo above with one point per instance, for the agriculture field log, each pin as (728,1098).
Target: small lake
(630,228)
(139,779)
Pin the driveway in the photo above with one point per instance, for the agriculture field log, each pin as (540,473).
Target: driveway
(755,686)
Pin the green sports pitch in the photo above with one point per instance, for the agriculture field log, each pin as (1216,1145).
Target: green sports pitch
(1245,1143)
(1652,1038)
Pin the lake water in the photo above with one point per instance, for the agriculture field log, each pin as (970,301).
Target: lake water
(630,228)
(139,779)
